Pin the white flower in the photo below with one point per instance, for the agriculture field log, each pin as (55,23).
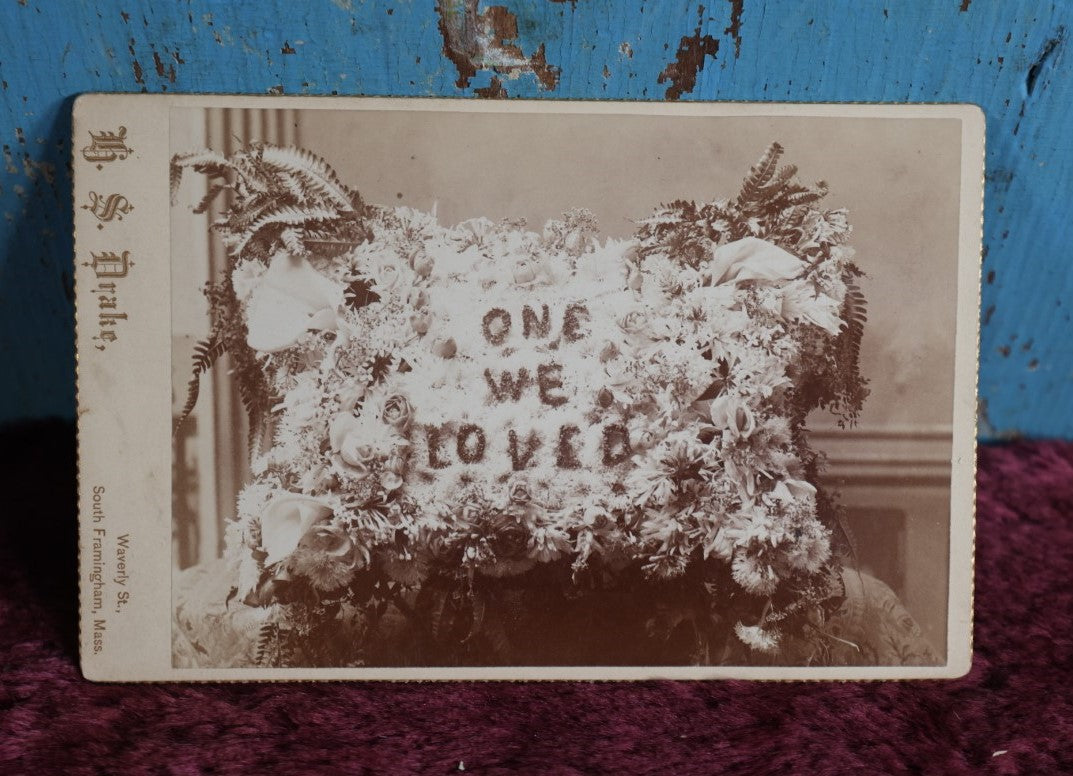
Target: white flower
(828,226)
(285,520)
(635,328)
(755,637)
(302,401)
(291,298)
(649,482)
(801,301)
(252,499)
(720,545)
(525,273)
(643,434)
(789,491)
(811,549)
(753,574)
(731,413)
(397,412)
(752,259)
(390,276)
(353,452)
(548,543)
(245,277)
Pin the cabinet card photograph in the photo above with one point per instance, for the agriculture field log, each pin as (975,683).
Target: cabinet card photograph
(437,389)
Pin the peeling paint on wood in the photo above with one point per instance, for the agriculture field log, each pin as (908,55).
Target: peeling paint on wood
(1011,57)
(737,8)
(484,40)
(692,50)
(494,91)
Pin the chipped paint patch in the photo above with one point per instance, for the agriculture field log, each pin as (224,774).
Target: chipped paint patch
(1046,53)
(485,40)
(494,90)
(692,51)
(737,8)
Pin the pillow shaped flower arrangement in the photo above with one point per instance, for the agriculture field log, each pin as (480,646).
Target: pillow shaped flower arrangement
(441,414)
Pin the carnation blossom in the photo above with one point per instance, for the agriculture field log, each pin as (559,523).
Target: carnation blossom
(326,556)
(753,574)
(755,637)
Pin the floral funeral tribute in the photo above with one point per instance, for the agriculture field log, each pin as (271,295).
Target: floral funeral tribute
(480,444)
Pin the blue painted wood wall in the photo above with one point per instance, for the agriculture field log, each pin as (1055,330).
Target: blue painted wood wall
(1010,57)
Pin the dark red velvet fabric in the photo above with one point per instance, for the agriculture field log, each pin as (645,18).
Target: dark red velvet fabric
(1012,714)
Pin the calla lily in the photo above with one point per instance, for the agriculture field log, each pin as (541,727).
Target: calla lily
(731,413)
(790,490)
(291,298)
(286,520)
(802,302)
(753,259)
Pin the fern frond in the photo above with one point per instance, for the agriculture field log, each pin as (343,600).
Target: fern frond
(293,186)
(269,648)
(855,306)
(206,353)
(760,174)
(207,200)
(292,241)
(253,394)
(803,197)
(175,179)
(287,215)
(785,174)
(203,160)
(855,315)
(312,170)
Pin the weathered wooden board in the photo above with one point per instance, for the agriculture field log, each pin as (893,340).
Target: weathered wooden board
(1009,57)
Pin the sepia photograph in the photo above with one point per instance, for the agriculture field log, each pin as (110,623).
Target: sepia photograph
(561,389)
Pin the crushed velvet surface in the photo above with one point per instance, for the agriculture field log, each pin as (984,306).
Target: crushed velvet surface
(1013,713)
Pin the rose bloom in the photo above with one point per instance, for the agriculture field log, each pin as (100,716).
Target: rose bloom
(634,325)
(525,274)
(518,491)
(352,454)
(642,436)
(397,412)
(421,322)
(445,348)
(391,481)
(388,276)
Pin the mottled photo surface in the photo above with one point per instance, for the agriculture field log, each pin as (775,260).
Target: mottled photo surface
(569,390)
